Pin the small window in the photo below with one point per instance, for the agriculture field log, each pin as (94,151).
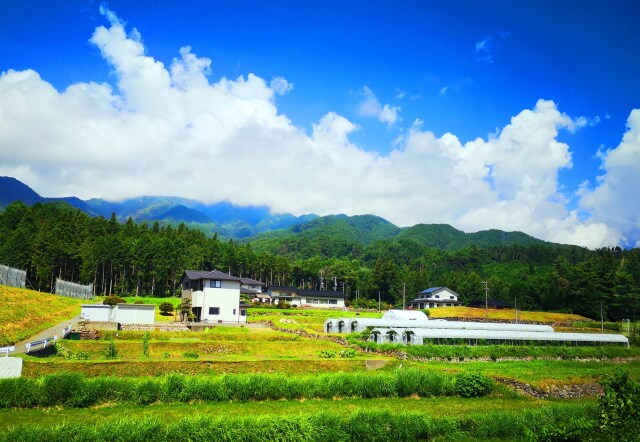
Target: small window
(214,284)
(243,312)
(214,310)
(437,296)
(452,297)
(234,311)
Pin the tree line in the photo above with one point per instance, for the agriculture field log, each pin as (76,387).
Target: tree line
(54,240)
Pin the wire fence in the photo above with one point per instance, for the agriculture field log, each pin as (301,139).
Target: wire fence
(73,290)
(12,277)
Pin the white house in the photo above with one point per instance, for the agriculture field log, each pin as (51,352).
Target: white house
(435,297)
(214,295)
(307,298)
(253,288)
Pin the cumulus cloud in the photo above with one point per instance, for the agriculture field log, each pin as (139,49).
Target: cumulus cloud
(171,131)
(371,107)
(614,199)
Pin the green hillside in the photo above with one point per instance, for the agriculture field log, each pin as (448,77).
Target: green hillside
(334,235)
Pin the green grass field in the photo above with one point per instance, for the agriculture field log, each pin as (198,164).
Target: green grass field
(504,414)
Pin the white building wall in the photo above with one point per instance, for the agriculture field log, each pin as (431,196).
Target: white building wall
(96,312)
(226,299)
(134,313)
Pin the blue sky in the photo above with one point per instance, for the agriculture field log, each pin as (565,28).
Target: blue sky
(393,71)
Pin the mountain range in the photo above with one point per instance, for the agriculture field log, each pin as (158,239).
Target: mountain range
(226,219)
(286,234)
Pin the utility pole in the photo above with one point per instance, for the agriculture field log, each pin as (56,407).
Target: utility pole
(515,303)
(378,301)
(601,319)
(486,297)
(404,293)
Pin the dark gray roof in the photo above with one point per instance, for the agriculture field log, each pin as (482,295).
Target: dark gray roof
(246,291)
(214,274)
(249,281)
(321,294)
(283,288)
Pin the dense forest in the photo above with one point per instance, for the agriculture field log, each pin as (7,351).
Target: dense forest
(54,240)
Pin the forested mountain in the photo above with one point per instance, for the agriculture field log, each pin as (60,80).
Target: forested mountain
(226,219)
(55,240)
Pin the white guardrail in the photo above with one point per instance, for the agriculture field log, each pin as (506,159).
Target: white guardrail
(7,350)
(43,342)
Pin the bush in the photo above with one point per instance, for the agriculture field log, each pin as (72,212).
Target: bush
(113,300)
(619,407)
(473,385)
(191,355)
(166,308)
(348,353)
(111,352)
(327,353)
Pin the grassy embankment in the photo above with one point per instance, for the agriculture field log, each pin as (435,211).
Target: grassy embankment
(24,313)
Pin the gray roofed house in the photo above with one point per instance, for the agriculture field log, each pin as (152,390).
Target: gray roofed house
(307,298)
(435,297)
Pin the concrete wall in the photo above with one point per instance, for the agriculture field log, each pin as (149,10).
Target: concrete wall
(10,367)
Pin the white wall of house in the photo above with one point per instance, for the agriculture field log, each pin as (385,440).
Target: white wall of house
(220,304)
(318,302)
(134,313)
(96,312)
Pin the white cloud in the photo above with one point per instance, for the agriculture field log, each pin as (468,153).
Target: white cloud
(172,131)
(281,86)
(371,107)
(614,199)
(400,94)
(443,91)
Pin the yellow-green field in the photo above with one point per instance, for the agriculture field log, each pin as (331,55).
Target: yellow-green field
(24,313)
(504,314)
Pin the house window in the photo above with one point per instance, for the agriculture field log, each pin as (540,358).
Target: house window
(437,296)
(243,312)
(431,305)
(452,297)
(234,311)
(215,284)
(333,301)
(214,310)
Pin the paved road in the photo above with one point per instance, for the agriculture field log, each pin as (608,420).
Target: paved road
(48,333)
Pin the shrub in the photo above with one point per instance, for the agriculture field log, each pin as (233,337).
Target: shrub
(145,344)
(111,352)
(191,355)
(166,308)
(348,353)
(619,407)
(473,385)
(327,353)
(113,300)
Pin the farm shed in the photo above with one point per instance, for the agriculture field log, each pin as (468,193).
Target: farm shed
(472,337)
(134,313)
(96,312)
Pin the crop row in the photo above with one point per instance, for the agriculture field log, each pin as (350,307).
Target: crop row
(75,390)
(559,422)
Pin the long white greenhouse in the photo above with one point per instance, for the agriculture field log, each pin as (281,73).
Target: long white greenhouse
(415,328)
(474,337)
(356,325)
